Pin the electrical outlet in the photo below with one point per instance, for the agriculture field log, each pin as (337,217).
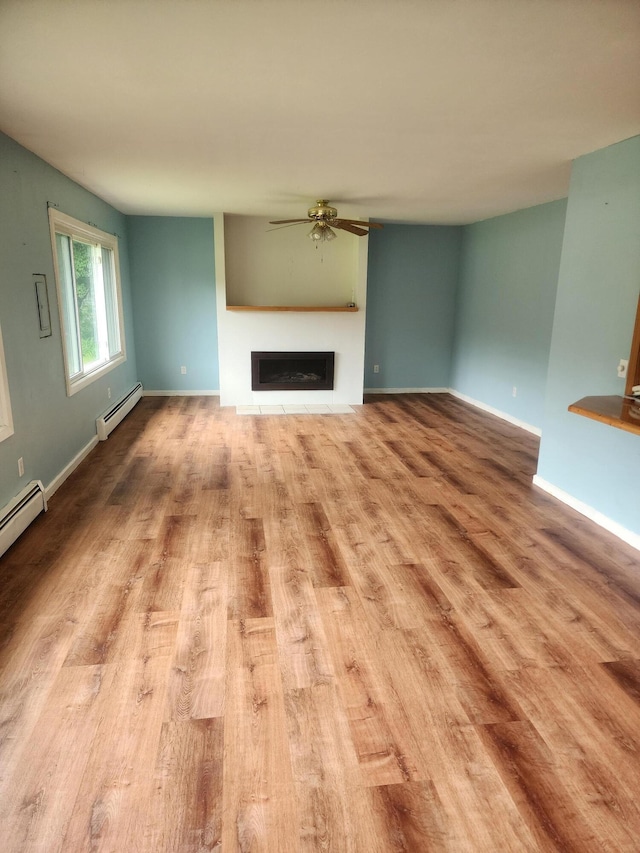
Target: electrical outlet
(183,369)
(376,368)
(514,391)
(623,364)
(109,393)
(21,467)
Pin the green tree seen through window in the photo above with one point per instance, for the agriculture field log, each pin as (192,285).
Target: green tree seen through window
(85,293)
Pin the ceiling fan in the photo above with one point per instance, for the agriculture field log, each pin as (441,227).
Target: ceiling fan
(325,219)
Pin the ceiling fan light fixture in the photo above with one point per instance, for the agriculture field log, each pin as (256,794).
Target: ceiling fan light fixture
(323,216)
(322,233)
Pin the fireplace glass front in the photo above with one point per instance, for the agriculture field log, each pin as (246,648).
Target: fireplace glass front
(292,371)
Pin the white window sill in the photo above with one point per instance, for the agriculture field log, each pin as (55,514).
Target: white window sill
(78,384)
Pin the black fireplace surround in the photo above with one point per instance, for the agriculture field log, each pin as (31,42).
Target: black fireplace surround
(292,371)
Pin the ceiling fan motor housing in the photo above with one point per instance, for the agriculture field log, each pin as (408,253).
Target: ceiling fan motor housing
(322,211)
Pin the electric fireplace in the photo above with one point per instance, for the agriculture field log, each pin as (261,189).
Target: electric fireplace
(292,371)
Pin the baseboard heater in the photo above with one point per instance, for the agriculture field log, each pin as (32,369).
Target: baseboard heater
(18,514)
(118,412)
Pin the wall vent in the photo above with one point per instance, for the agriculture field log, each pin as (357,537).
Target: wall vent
(18,514)
(118,412)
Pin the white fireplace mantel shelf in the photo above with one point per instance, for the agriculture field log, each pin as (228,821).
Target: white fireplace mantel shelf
(347,308)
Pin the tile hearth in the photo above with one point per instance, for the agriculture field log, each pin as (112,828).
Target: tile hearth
(297,409)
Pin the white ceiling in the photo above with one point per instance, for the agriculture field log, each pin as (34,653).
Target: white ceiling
(443,111)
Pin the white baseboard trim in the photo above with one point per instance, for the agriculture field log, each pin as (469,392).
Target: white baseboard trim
(406,390)
(503,415)
(592,514)
(57,481)
(146,393)
(485,408)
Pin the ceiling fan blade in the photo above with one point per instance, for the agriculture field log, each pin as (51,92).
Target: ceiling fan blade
(282,227)
(285,221)
(363,224)
(346,226)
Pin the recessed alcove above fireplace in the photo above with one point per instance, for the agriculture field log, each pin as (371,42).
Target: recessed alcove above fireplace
(292,371)
(267,267)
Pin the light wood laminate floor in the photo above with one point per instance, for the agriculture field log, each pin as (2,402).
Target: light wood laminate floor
(342,633)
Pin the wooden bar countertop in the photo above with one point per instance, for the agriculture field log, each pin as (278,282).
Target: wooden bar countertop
(620,412)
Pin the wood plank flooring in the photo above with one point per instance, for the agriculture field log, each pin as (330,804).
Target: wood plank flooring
(350,633)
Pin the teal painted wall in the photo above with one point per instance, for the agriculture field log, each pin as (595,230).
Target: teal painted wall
(595,310)
(506,297)
(174,298)
(411,292)
(50,428)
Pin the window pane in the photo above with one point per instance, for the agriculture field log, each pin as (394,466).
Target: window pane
(65,273)
(86,296)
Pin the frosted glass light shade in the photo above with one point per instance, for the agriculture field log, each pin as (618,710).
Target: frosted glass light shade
(322,232)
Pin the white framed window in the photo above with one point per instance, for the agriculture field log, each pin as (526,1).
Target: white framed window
(6,418)
(89,299)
